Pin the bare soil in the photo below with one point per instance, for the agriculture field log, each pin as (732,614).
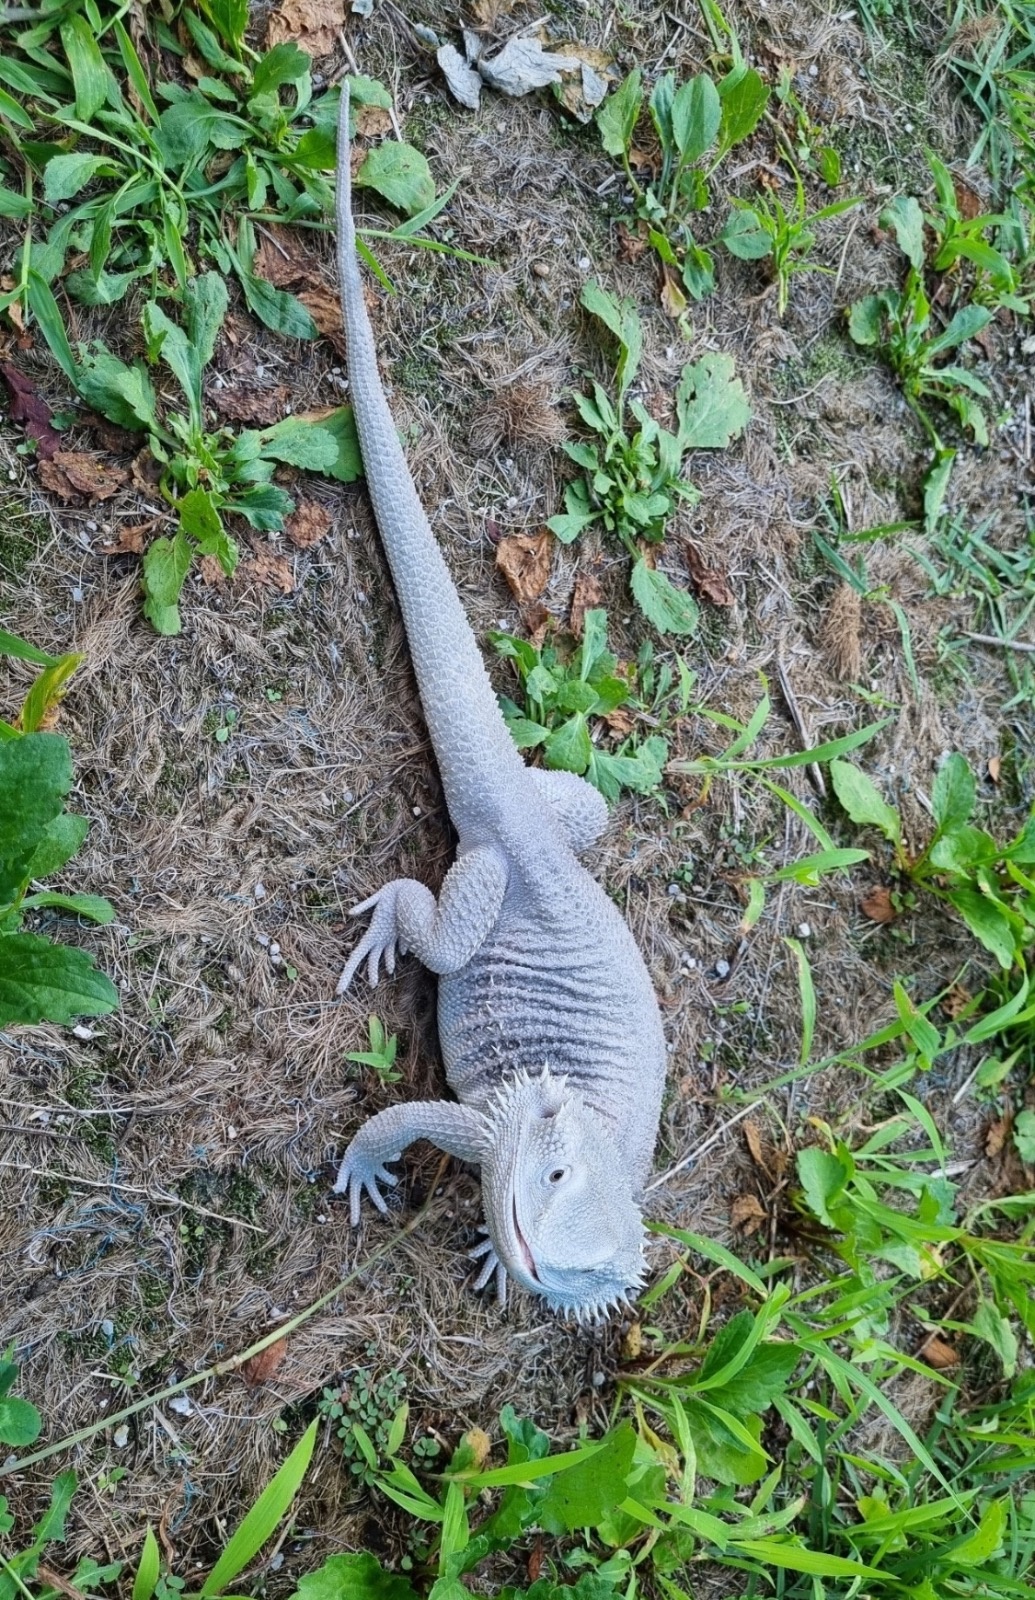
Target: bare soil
(167,1171)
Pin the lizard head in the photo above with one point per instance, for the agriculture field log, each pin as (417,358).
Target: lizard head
(557,1202)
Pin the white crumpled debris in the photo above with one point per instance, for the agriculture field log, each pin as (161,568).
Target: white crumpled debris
(521,66)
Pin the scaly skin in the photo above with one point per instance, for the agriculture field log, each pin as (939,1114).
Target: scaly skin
(549,1025)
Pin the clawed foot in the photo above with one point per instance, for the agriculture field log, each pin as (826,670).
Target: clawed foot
(358,1172)
(491,1267)
(381,940)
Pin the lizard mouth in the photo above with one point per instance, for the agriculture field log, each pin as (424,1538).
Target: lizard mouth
(526,1254)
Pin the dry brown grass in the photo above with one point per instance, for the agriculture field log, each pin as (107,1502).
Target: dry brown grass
(221,1087)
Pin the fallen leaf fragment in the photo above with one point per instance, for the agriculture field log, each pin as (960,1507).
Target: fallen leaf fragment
(211,569)
(587,595)
(631,246)
(535,1559)
(132,537)
(463,82)
(308,524)
(753,1140)
(324,306)
(632,1342)
(537,620)
(313,24)
(673,300)
(620,722)
(246,403)
(72,474)
(585,88)
(524,560)
(938,1353)
(29,407)
(996,1135)
(145,471)
(876,904)
(259,1369)
(710,582)
(267,570)
(480,1446)
(747,1213)
(841,633)
(277,259)
(523,65)
(995,767)
(955,1001)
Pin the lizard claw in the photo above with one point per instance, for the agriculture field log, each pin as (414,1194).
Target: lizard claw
(380,941)
(358,1172)
(491,1267)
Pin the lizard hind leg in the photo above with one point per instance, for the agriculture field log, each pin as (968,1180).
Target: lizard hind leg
(444,934)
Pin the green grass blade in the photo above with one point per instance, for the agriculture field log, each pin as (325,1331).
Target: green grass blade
(808,999)
(264,1516)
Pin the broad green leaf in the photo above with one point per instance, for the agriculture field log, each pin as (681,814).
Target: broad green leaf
(166,564)
(696,111)
(711,403)
(264,1517)
(862,801)
(135,70)
(45,309)
(301,443)
(285,63)
(968,321)
(20,1422)
(985,1542)
(660,104)
(754,1388)
(229,17)
(65,175)
(21,650)
(567,525)
(744,97)
(745,234)
(1024,1136)
(61,839)
(279,310)
(791,1557)
(954,794)
(122,394)
(822,1176)
(697,271)
(353,1577)
(145,1580)
(905,218)
(866,320)
(669,609)
(45,982)
(936,483)
(568,748)
(400,173)
(45,693)
(810,869)
(14,205)
(206,301)
(527,735)
(90,74)
(621,318)
(581,1496)
(35,776)
(200,520)
(989,1324)
(617,117)
(987,922)
(93,906)
(166,339)
(341,425)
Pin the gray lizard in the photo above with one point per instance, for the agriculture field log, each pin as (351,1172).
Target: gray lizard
(549,1025)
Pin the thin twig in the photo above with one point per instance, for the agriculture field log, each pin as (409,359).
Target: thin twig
(127,1188)
(702,1149)
(1004,644)
(812,769)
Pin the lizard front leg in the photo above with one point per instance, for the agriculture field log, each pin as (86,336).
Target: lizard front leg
(458,1130)
(443,934)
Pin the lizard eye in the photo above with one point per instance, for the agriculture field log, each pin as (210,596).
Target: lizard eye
(557,1175)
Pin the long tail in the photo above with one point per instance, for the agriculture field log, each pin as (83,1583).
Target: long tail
(476,756)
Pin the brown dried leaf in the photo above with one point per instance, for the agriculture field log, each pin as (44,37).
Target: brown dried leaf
(535,1559)
(876,904)
(480,1445)
(996,1135)
(620,722)
(373,122)
(308,524)
(955,1001)
(324,306)
(211,570)
(538,621)
(938,1353)
(753,1140)
(995,767)
(259,1369)
(747,1214)
(267,570)
(246,403)
(75,473)
(145,471)
(313,24)
(524,560)
(28,406)
(277,259)
(968,199)
(630,245)
(710,582)
(586,596)
(488,12)
(673,300)
(131,539)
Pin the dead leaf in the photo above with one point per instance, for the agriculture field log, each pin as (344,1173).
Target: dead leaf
(524,560)
(308,524)
(247,403)
(324,306)
(277,259)
(967,198)
(585,88)
(211,569)
(131,539)
(267,570)
(586,596)
(620,722)
(876,904)
(955,1001)
(523,65)
(488,12)
(145,471)
(631,246)
(463,82)
(29,407)
(259,1369)
(313,24)
(480,1446)
(673,300)
(996,1135)
(753,1140)
(535,1559)
(747,1214)
(71,474)
(938,1353)
(995,767)
(632,1342)
(709,582)
(538,621)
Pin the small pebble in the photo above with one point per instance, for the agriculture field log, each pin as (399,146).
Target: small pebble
(259,891)
(722,969)
(584,263)
(804,930)
(108,1328)
(599,1379)
(181,1405)
(120,1438)
(263,939)
(541,269)
(231,1131)
(81,1031)
(274,948)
